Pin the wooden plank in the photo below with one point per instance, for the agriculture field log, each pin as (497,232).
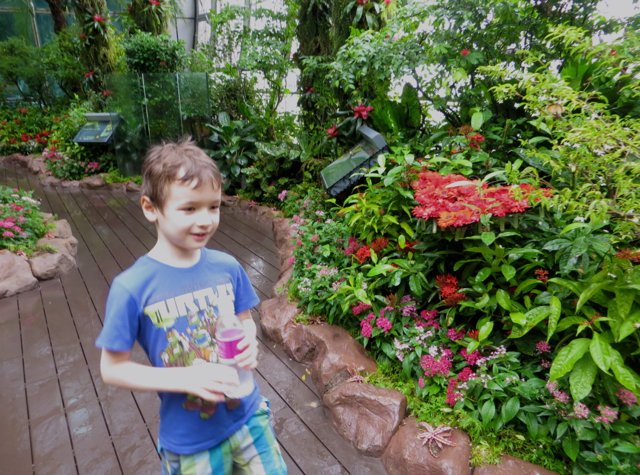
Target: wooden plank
(39,194)
(21,178)
(248,243)
(133,443)
(15,449)
(105,260)
(89,434)
(50,441)
(3,173)
(118,250)
(10,175)
(134,209)
(265,240)
(269,271)
(93,275)
(147,237)
(129,239)
(261,227)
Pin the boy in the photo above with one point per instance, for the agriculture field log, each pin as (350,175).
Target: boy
(169,301)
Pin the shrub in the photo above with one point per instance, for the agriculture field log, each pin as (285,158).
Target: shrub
(21,223)
(149,54)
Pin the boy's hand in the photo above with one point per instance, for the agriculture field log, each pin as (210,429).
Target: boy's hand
(248,359)
(208,380)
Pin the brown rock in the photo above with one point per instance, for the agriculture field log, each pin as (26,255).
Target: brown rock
(365,415)
(49,265)
(21,160)
(67,245)
(117,186)
(37,166)
(282,232)
(46,216)
(242,204)
(93,182)
(228,200)
(335,350)
(512,466)
(405,454)
(63,229)
(70,184)
(276,318)
(50,181)
(281,287)
(15,275)
(131,186)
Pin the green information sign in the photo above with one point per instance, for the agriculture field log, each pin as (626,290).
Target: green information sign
(98,129)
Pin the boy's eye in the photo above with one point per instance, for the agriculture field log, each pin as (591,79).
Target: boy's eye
(189,209)
(215,207)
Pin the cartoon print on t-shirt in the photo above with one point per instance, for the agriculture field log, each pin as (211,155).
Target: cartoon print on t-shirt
(195,343)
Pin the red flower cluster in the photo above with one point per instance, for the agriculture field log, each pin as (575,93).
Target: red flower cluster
(154,2)
(631,255)
(89,74)
(379,244)
(361,111)
(363,254)
(464,52)
(475,140)
(542,275)
(98,18)
(408,247)
(452,395)
(451,205)
(24,111)
(448,286)
(363,2)
(333,131)
(354,245)
(471,358)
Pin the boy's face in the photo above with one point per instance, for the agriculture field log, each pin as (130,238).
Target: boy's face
(190,216)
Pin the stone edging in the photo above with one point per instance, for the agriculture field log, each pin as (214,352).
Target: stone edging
(36,165)
(371,418)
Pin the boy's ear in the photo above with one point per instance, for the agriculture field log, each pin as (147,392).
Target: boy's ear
(149,210)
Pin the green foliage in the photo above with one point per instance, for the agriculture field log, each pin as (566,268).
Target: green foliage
(21,223)
(149,17)
(149,54)
(21,66)
(24,130)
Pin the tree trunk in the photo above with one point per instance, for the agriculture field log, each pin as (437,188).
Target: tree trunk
(57,13)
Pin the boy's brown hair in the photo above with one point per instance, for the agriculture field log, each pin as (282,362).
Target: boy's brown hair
(183,161)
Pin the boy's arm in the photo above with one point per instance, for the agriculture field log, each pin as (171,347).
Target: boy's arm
(206,380)
(248,359)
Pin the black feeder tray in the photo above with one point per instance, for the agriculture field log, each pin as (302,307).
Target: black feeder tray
(348,169)
(99,128)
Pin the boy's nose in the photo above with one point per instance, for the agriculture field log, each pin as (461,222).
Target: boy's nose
(204,218)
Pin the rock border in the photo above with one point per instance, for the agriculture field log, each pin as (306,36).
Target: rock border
(36,165)
(371,418)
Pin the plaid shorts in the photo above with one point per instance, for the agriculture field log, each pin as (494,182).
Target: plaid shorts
(251,450)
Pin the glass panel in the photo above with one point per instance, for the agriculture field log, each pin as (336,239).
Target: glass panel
(45,27)
(71,19)
(130,139)
(195,107)
(116,6)
(41,4)
(347,163)
(163,108)
(16,24)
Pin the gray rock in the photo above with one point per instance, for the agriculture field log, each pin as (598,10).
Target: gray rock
(63,229)
(70,184)
(50,181)
(67,245)
(15,275)
(94,182)
(37,166)
(365,415)
(49,265)
(281,287)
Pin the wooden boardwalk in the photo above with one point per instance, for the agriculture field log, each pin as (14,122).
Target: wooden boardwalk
(56,414)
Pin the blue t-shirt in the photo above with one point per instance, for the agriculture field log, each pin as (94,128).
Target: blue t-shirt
(172,313)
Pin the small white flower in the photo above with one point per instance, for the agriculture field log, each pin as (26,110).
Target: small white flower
(613,276)
(580,219)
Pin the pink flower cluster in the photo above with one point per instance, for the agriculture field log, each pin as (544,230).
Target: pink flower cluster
(581,411)
(410,309)
(607,416)
(543,347)
(365,324)
(626,397)
(471,358)
(559,396)
(358,309)
(9,224)
(354,245)
(456,335)
(283,194)
(384,324)
(428,319)
(453,395)
(433,366)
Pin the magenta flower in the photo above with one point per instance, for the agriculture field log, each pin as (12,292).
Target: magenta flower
(384,324)
(455,335)
(543,347)
(626,397)
(581,411)
(361,111)
(7,234)
(464,52)
(367,330)
(333,131)
(283,194)
(607,416)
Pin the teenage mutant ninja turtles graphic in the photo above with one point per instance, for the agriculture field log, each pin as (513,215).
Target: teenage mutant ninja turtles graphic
(195,345)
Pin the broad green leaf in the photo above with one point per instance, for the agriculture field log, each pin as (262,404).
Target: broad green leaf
(483,274)
(526,286)
(459,75)
(415,286)
(571,446)
(622,427)
(582,377)
(556,245)
(488,238)
(569,284)
(407,229)
(573,226)
(628,326)
(518,318)
(380,269)
(508,271)
(555,307)
(589,292)
(624,301)
(485,331)
(562,428)
(600,352)
(510,409)
(567,357)
(488,411)
(476,120)
(627,447)
(402,242)
(502,296)
(623,375)
(483,301)
(532,318)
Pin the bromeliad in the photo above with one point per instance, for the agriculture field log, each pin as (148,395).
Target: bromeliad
(438,436)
